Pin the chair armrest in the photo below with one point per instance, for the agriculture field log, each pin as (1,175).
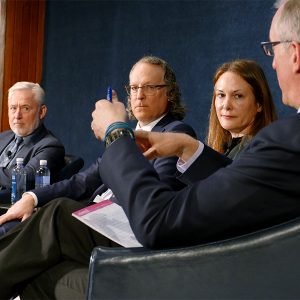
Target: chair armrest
(264,264)
(5,200)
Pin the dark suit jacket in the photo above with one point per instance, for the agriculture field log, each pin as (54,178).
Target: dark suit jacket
(223,199)
(41,144)
(87,184)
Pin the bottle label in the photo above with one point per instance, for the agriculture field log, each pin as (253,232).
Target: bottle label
(18,186)
(41,181)
(13,189)
(46,180)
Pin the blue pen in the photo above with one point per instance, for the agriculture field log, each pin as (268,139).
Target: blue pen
(109,94)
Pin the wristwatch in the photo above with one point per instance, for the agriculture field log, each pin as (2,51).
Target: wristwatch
(116,134)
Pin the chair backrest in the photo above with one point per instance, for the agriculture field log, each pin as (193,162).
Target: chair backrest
(261,265)
(73,164)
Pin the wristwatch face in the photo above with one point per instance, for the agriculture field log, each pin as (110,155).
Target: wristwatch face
(117,134)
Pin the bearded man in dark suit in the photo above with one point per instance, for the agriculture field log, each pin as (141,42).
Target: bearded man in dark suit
(28,137)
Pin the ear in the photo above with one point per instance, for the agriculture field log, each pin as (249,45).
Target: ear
(259,107)
(43,112)
(296,56)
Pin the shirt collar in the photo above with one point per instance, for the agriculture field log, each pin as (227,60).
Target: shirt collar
(149,126)
(28,137)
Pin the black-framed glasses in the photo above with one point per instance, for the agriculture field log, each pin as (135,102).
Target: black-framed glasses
(148,89)
(268,47)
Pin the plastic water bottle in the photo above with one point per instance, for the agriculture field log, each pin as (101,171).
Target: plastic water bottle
(18,181)
(42,175)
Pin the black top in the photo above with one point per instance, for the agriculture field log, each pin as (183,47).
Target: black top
(231,144)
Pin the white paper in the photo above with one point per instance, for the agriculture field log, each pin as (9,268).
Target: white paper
(109,219)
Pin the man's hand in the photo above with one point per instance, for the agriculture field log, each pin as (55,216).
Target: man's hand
(106,113)
(156,144)
(21,210)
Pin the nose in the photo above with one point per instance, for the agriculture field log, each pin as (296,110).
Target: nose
(18,113)
(140,93)
(226,103)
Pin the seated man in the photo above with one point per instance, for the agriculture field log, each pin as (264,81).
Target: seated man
(28,137)
(154,101)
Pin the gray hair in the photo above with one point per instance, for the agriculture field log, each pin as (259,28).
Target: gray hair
(288,24)
(38,92)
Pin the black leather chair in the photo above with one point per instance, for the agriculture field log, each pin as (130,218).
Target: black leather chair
(261,265)
(73,164)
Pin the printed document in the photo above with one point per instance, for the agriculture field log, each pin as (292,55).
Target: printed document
(109,219)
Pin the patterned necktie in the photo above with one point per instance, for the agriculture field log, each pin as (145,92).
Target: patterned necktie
(9,153)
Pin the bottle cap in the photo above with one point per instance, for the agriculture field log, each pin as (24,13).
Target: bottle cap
(43,162)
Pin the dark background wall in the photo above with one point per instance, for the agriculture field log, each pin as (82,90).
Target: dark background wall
(92,44)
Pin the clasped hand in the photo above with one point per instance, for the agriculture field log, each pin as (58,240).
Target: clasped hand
(21,210)
(106,113)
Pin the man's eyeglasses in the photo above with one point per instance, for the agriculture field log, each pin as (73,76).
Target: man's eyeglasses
(148,89)
(268,47)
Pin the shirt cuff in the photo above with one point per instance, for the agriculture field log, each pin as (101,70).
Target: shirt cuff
(182,165)
(35,199)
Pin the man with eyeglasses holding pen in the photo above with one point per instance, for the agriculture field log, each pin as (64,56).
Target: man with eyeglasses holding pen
(154,100)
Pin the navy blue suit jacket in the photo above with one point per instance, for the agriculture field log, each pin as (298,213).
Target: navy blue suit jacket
(88,183)
(41,144)
(223,199)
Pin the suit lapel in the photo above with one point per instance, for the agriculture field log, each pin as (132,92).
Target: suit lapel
(11,136)
(160,126)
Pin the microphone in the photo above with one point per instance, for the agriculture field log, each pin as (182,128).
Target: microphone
(8,154)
